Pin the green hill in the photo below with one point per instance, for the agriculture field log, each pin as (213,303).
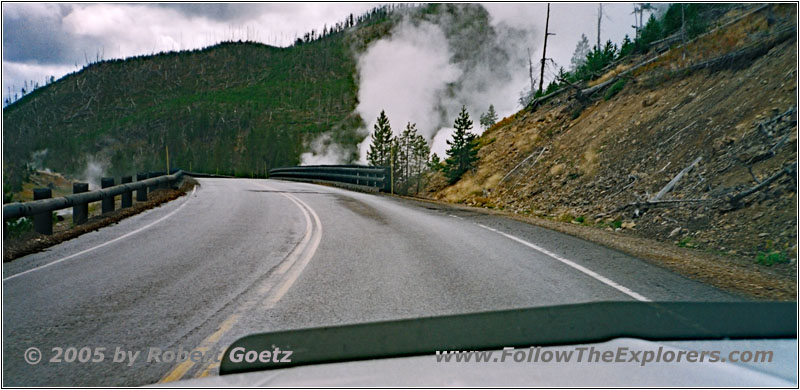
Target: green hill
(236,107)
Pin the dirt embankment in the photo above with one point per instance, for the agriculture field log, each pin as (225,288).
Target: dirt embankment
(727,102)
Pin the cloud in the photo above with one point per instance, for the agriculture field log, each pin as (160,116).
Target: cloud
(31,32)
(16,73)
(228,12)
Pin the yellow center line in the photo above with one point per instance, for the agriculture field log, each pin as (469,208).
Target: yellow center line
(206,371)
(297,270)
(305,249)
(180,370)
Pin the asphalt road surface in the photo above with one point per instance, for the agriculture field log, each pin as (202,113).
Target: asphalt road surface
(240,256)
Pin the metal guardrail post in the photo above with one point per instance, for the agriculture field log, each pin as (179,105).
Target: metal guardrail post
(43,222)
(105,195)
(108,201)
(80,212)
(141,194)
(164,184)
(127,196)
(154,186)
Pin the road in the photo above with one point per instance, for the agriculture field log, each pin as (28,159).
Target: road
(239,256)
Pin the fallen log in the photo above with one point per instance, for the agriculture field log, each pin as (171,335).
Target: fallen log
(544,149)
(660,203)
(667,188)
(518,165)
(676,133)
(786,170)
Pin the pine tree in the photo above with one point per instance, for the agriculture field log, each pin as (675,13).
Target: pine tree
(435,164)
(404,144)
(421,154)
(410,157)
(579,56)
(379,153)
(489,118)
(626,48)
(463,151)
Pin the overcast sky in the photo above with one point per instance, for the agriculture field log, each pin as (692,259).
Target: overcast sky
(45,39)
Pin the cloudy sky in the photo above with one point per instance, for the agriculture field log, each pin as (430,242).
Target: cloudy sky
(47,39)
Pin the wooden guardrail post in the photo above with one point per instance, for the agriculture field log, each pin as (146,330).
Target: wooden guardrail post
(108,201)
(127,196)
(141,193)
(80,212)
(43,222)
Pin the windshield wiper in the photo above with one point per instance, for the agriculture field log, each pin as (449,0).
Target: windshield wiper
(539,326)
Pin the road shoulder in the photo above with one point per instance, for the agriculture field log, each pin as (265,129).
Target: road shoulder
(725,272)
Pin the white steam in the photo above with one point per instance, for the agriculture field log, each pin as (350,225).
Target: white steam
(324,152)
(407,75)
(37,161)
(415,77)
(93,172)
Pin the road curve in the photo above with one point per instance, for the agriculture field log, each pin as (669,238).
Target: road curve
(239,256)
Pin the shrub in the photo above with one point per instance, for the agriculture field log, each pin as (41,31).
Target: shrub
(16,227)
(685,242)
(771,258)
(615,88)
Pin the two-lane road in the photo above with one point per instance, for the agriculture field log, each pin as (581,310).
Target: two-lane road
(240,256)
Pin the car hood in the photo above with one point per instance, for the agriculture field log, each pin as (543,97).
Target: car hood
(426,371)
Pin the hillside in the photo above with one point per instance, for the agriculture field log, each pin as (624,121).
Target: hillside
(728,99)
(235,108)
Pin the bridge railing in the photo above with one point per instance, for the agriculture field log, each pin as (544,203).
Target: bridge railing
(369,178)
(41,208)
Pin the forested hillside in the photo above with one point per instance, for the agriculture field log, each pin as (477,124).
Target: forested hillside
(235,108)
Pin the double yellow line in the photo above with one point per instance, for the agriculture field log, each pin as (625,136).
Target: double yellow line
(284,278)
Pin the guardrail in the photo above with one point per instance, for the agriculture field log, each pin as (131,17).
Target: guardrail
(375,178)
(43,205)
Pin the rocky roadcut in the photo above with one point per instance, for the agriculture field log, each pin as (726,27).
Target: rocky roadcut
(724,133)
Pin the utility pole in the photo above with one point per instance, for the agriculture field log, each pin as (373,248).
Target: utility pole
(544,49)
(599,18)
(530,71)
(641,15)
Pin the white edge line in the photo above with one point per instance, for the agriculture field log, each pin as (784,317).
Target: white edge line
(105,243)
(572,264)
